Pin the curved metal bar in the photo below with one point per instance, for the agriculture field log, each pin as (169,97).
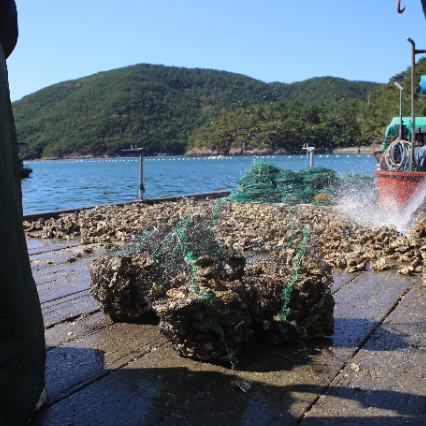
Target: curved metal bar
(398,7)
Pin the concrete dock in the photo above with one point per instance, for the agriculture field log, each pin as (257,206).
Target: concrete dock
(371,372)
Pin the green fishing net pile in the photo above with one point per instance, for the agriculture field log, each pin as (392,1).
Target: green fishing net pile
(267,183)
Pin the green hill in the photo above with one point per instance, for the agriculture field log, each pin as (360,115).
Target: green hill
(326,124)
(284,125)
(153,106)
(384,101)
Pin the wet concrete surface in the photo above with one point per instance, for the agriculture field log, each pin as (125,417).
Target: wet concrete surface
(385,383)
(371,372)
(39,245)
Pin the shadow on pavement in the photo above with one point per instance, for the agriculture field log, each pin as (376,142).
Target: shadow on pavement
(161,388)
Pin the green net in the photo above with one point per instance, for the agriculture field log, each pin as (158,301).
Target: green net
(267,183)
(210,294)
(287,290)
(171,253)
(181,232)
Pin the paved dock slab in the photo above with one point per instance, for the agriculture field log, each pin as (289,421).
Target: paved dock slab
(103,373)
(384,384)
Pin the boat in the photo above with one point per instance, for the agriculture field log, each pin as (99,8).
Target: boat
(393,134)
(24,169)
(401,168)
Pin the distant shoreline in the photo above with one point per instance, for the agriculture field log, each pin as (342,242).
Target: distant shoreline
(208,153)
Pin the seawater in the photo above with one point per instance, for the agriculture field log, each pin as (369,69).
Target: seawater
(62,184)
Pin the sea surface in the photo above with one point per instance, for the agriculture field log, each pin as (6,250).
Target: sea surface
(63,184)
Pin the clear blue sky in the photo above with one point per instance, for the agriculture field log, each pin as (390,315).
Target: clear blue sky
(270,40)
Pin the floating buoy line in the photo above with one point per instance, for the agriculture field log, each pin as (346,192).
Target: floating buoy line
(136,160)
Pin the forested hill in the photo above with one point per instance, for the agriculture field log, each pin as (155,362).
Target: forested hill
(290,124)
(153,106)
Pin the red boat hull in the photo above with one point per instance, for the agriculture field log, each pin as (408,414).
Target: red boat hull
(397,189)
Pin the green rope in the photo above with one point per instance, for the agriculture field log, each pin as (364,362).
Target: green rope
(282,315)
(211,309)
(190,259)
(172,259)
(182,223)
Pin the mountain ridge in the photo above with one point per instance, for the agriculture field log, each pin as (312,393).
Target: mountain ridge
(153,106)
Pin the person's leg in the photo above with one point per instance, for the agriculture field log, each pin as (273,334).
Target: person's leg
(22,345)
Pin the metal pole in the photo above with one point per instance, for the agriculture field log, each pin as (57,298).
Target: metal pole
(413,102)
(309,155)
(141,187)
(400,114)
(400,107)
(305,146)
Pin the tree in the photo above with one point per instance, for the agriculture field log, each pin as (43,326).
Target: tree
(224,139)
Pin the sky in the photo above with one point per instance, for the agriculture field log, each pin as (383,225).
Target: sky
(269,40)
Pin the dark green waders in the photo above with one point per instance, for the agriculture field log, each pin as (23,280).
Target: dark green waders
(22,345)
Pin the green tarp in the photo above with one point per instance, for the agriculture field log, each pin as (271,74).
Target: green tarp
(392,131)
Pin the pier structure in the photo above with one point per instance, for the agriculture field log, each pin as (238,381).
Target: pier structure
(371,371)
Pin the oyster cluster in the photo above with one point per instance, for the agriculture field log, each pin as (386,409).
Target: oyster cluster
(113,285)
(107,225)
(211,298)
(247,226)
(217,273)
(346,244)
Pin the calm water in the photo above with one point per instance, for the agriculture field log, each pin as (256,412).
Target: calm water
(65,184)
